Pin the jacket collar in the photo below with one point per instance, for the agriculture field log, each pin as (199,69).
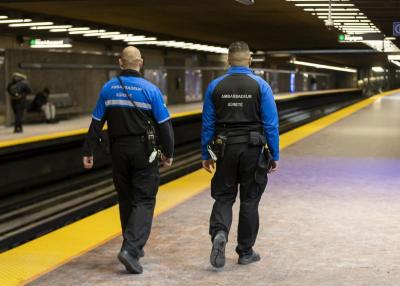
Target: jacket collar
(130,72)
(239,69)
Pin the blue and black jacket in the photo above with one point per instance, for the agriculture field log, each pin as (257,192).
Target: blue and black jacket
(240,100)
(122,115)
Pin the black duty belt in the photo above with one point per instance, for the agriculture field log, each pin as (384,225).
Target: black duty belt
(237,139)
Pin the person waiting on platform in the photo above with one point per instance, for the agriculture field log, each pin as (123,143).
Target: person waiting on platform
(41,104)
(18,89)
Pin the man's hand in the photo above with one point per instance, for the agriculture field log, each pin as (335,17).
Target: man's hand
(274,166)
(88,162)
(166,161)
(208,165)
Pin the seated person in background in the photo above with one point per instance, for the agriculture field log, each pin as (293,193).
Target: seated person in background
(41,103)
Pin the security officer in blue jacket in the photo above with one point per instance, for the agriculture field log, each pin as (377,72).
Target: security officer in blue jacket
(135,114)
(240,132)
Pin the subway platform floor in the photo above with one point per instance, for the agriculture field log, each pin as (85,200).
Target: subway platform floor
(329,216)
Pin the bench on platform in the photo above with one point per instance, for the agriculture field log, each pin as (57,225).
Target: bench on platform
(65,107)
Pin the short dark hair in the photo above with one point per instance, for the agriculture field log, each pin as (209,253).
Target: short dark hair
(238,47)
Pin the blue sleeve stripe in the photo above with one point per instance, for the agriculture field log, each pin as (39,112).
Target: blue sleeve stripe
(96,118)
(162,121)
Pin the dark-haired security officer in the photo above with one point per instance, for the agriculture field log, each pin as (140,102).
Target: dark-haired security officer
(239,119)
(135,114)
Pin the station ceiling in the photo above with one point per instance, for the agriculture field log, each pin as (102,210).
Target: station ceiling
(267,25)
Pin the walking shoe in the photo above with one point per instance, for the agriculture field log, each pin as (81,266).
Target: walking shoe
(249,258)
(131,263)
(141,253)
(217,257)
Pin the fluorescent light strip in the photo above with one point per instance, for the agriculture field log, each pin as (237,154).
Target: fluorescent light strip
(86,32)
(138,38)
(15,21)
(324,5)
(397,63)
(344,69)
(51,46)
(51,27)
(79,29)
(30,24)
(58,30)
(337,17)
(317,0)
(333,9)
(3,17)
(377,69)
(336,14)
(143,39)
(349,21)
(119,36)
(100,34)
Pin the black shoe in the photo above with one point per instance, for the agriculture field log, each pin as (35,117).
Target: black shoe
(131,263)
(217,257)
(18,130)
(249,258)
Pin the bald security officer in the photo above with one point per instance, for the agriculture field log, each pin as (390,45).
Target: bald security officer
(137,120)
(239,119)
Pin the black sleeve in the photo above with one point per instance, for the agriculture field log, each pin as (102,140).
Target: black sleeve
(93,137)
(167,138)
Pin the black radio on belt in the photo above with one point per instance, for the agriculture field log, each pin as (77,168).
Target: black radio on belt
(218,146)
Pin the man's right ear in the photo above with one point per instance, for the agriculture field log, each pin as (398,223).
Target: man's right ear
(120,64)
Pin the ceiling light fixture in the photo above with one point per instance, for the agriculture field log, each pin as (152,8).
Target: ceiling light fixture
(15,21)
(50,27)
(320,66)
(246,2)
(101,34)
(79,29)
(17,25)
(86,32)
(377,69)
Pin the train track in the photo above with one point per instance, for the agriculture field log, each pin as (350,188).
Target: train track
(44,204)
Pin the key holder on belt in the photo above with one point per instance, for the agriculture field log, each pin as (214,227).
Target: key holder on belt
(150,130)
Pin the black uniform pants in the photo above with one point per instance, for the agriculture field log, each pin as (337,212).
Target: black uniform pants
(237,168)
(136,181)
(18,107)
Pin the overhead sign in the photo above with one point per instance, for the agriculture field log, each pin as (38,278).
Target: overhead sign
(396,29)
(360,38)
(50,43)
(350,38)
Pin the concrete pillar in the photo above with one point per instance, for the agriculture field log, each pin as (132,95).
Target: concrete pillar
(176,80)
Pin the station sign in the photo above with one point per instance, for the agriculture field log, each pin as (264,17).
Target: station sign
(396,29)
(50,43)
(343,38)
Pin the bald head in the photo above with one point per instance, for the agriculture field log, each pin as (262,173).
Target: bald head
(239,54)
(131,58)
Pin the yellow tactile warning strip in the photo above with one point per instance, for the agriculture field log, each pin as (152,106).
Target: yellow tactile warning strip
(55,135)
(308,129)
(312,93)
(33,259)
(37,257)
